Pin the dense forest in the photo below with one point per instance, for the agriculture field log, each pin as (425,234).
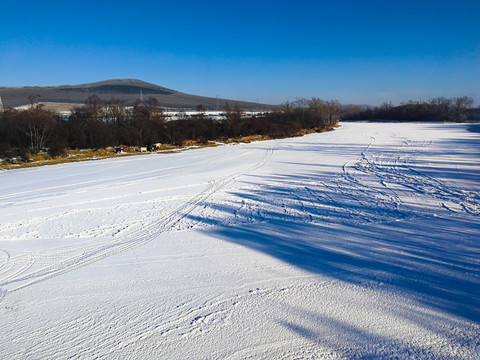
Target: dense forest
(438,109)
(102,124)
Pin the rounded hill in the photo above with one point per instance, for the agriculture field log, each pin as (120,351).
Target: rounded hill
(127,90)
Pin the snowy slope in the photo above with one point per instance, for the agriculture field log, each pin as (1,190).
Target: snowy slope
(359,243)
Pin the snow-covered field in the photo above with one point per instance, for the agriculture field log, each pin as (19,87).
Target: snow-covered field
(361,243)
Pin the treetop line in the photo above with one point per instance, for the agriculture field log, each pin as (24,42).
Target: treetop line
(101,124)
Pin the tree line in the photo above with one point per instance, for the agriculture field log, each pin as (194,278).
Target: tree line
(438,109)
(101,124)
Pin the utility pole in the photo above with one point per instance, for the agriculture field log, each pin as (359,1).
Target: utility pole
(1,105)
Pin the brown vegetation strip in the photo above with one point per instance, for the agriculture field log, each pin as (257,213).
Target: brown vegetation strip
(76,155)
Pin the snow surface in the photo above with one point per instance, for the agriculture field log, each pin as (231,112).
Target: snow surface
(361,243)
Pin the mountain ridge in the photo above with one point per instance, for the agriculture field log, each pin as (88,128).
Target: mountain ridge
(127,90)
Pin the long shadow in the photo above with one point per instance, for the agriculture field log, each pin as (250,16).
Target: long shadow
(359,232)
(351,341)
(430,264)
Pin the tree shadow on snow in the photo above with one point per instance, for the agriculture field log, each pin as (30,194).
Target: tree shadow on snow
(354,227)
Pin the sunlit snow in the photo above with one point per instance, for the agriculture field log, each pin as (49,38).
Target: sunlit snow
(358,243)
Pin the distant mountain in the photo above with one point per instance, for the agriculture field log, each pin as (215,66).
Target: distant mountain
(127,90)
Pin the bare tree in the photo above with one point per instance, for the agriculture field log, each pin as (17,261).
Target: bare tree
(461,106)
(286,107)
(38,124)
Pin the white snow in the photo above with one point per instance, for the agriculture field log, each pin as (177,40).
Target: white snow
(361,243)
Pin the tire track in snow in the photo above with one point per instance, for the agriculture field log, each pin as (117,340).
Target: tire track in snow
(398,173)
(88,185)
(6,258)
(380,182)
(377,187)
(16,278)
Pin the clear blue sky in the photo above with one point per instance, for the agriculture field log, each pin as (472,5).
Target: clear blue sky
(364,52)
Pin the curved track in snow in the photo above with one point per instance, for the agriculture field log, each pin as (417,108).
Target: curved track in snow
(359,243)
(16,273)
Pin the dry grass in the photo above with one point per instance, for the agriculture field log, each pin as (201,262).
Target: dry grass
(247,139)
(198,143)
(89,154)
(71,156)
(316,130)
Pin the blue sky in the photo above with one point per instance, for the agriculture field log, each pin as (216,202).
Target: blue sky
(363,52)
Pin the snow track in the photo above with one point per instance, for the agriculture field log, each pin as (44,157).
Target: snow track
(395,173)
(360,243)
(15,273)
